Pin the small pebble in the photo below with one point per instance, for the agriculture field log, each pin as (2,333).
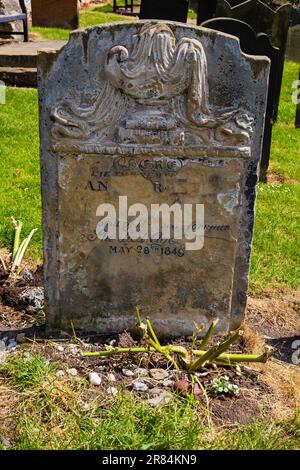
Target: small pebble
(21,338)
(27,276)
(2,357)
(127,373)
(182,386)
(5,441)
(148,381)
(60,373)
(72,371)
(73,351)
(112,391)
(168,383)
(94,378)
(140,372)
(160,397)
(12,346)
(33,298)
(202,374)
(60,348)
(197,391)
(111,377)
(186,388)
(140,387)
(159,374)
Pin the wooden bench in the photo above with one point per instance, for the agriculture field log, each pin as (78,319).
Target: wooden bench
(17,17)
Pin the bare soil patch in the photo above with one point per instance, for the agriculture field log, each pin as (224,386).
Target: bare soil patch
(276,178)
(275,314)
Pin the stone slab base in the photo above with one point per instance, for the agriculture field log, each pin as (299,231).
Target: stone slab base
(19,76)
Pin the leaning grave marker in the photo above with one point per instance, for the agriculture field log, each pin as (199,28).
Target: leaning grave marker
(162,113)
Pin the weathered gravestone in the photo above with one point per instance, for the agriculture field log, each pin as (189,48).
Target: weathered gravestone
(297,119)
(263,19)
(267,23)
(293,53)
(160,113)
(55,13)
(293,44)
(255,44)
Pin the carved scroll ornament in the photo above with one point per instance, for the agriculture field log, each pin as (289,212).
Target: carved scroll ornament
(157,93)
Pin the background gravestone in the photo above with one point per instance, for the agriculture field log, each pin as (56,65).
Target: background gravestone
(297,119)
(255,44)
(293,44)
(205,9)
(161,113)
(175,10)
(55,13)
(293,53)
(263,20)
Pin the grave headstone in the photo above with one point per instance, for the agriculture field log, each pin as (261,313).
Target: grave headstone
(293,44)
(137,119)
(297,119)
(55,13)
(293,53)
(263,20)
(255,44)
(175,10)
(205,9)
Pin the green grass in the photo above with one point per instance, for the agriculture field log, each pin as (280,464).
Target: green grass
(276,241)
(66,413)
(260,435)
(27,371)
(275,257)
(19,167)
